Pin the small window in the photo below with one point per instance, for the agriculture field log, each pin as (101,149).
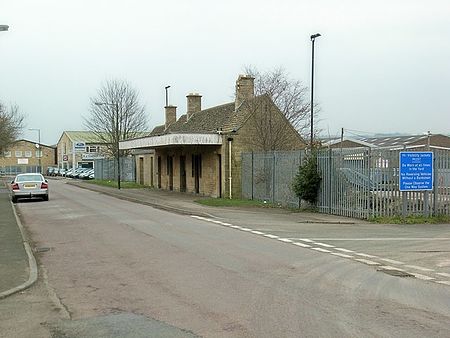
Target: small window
(28,154)
(18,153)
(38,153)
(7,154)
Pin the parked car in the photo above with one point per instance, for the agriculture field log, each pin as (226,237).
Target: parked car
(29,186)
(85,175)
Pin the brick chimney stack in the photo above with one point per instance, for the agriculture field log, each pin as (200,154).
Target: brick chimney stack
(171,115)
(194,104)
(245,89)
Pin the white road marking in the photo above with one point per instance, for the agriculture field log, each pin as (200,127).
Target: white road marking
(344,250)
(235,226)
(392,261)
(214,221)
(246,229)
(271,236)
(321,250)
(442,282)
(387,267)
(200,217)
(305,240)
(341,255)
(227,224)
(422,277)
(257,232)
(418,268)
(301,244)
(366,261)
(325,245)
(285,240)
(364,255)
(443,274)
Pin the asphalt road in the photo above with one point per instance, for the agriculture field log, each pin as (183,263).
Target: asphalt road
(109,259)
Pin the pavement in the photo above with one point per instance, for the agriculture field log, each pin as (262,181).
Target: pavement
(18,268)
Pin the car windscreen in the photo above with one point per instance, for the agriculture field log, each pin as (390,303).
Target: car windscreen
(29,178)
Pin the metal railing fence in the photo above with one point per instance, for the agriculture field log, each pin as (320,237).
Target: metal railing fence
(356,182)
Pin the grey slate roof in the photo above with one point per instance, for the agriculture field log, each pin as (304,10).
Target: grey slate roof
(223,117)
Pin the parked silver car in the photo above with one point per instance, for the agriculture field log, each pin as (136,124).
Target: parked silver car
(29,186)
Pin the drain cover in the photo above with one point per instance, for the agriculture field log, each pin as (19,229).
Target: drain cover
(396,273)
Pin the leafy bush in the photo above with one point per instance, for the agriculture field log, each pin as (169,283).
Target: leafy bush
(307,181)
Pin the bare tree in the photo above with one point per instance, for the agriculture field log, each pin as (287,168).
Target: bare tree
(290,96)
(11,124)
(116,114)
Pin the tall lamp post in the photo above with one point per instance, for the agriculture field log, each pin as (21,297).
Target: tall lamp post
(313,39)
(167,95)
(117,135)
(38,146)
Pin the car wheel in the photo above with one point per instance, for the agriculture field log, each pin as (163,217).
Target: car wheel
(46,198)
(14,199)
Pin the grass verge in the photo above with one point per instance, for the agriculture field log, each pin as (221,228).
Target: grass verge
(226,202)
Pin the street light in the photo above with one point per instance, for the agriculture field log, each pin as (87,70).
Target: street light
(313,39)
(38,146)
(117,134)
(4,27)
(167,95)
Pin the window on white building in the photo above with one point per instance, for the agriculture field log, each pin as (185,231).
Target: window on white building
(18,153)
(28,154)
(38,153)
(7,154)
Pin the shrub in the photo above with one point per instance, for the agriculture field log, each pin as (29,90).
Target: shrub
(307,181)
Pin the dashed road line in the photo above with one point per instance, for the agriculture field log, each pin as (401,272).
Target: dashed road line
(343,255)
(303,245)
(443,274)
(321,250)
(271,236)
(365,255)
(388,267)
(392,261)
(344,250)
(442,282)
(324,245)
(286,240)
(422,277)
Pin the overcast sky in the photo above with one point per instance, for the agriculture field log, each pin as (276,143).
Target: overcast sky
(381,66)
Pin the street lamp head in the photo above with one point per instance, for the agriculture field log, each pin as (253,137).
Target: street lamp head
(4,27)
(166,87)
(99,103)
(315,36)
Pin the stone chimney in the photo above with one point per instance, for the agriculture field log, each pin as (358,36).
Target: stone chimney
(171,115)
(194,104)
(245,89)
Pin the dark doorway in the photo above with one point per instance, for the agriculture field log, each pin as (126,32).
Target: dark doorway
(159,172)
(141,170)
(151,171)
(170,171)
(183,173)
(197,171)
(220,174)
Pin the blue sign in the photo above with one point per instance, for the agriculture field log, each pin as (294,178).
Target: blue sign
(416,170)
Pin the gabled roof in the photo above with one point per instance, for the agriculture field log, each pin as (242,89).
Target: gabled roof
(205,121)
(85,136)
(33,142)
(223,117)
